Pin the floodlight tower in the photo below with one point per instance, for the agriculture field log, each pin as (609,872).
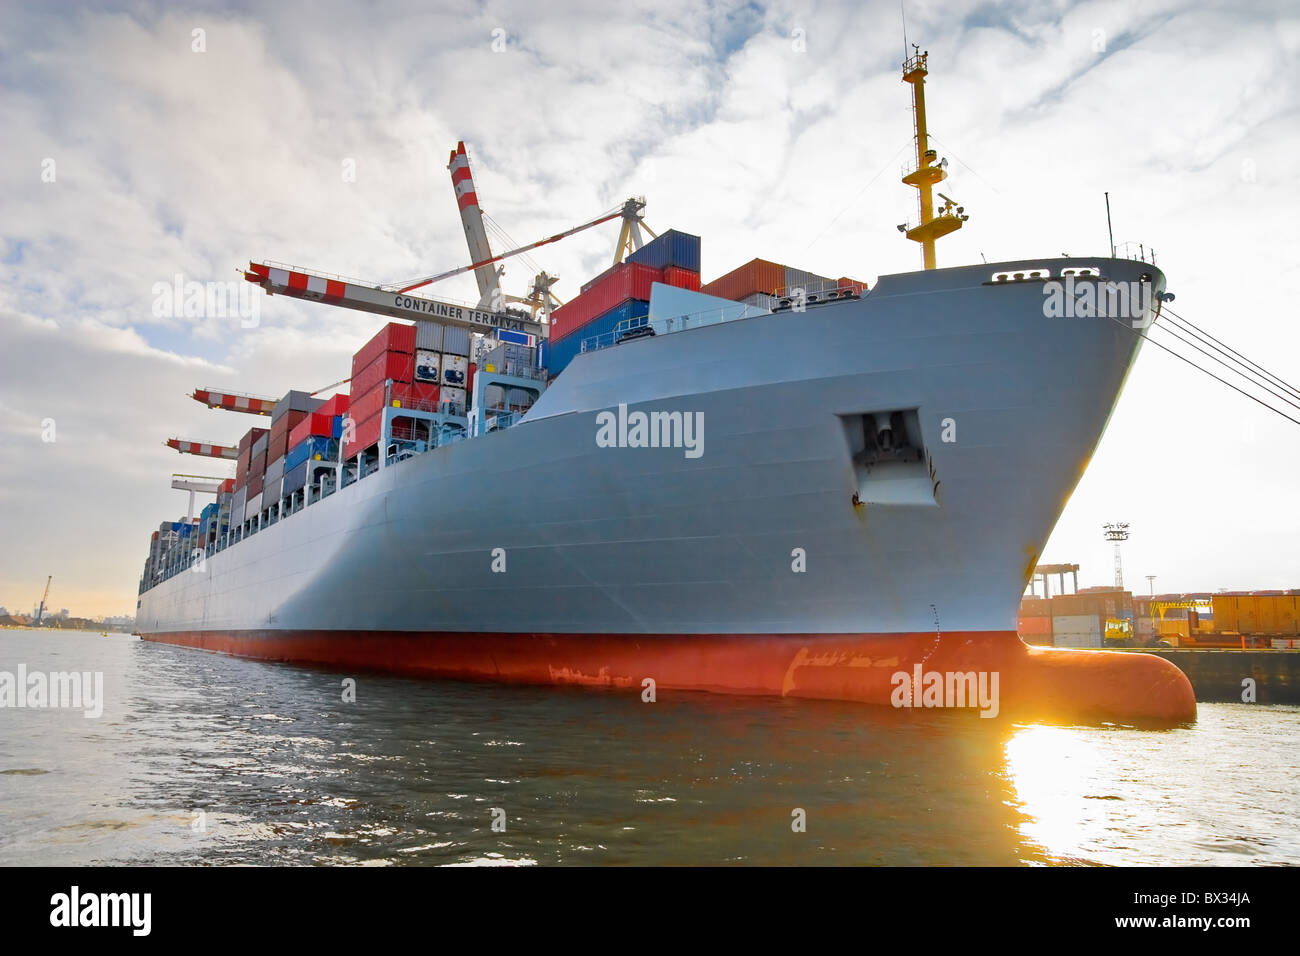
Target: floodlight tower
(1117,532)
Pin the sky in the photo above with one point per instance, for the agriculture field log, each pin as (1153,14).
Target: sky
(149,140)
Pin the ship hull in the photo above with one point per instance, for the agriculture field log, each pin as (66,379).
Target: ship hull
(879,669)
(717,569)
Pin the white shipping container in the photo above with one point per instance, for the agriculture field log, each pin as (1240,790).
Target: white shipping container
(1076,640)
(1076,623)
(428,366)
(454,396)
(1076,630)
(455,370)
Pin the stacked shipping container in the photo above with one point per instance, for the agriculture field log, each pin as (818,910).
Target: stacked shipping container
(763,277)
(622,294)
(390,355)
(1073,620)
(409,366)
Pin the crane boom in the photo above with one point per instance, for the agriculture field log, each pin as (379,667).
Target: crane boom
(471,217)
(204,448)
(234,401)
(326,388)
(281,279)
(40,612)
(417,283)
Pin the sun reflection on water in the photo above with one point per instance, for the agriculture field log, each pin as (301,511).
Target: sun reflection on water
(1051,770)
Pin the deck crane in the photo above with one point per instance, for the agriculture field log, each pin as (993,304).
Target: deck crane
(397,300)
(40,611)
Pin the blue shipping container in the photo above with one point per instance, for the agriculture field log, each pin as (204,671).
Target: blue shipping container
(309,448)
(516,338)
(296,478)
(561,353)
(673,248)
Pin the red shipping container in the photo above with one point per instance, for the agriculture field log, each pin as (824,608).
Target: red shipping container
(628,280)
(256,468)
(367,433)
(393,337)
(313,424)
(252,435)
(854,284)
(398,366)
(757,275)
(469,379)
(241,466)
(420,395)
(367,406)
(228,486)
(334,405)
(277,445)
(254,485)
(1037,626)
(682,278)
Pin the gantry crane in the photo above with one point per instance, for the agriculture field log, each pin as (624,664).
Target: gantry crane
(397,300)
(203,449)
(40,611)
(234,401)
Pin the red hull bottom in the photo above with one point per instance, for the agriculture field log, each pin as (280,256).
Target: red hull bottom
(1033,682)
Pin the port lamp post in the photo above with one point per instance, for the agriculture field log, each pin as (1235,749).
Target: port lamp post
(1118,533)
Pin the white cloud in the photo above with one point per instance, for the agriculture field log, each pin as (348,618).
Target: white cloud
(170,161)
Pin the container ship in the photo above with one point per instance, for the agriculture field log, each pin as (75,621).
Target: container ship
(775,483)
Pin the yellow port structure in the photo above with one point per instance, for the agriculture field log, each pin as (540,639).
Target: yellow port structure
(929,170)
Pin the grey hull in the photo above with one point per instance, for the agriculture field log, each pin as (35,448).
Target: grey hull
(646,541)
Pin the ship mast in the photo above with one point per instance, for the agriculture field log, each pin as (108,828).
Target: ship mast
(929,170)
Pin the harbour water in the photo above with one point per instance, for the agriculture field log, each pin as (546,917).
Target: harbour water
(201,758)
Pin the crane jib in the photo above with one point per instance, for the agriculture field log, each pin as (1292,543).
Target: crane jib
(278,280)
(445,310)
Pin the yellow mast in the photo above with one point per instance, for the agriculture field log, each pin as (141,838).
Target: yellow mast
(926,175)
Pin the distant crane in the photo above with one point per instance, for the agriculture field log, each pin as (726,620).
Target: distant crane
(1118,533)
(196,484)
(40,612)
